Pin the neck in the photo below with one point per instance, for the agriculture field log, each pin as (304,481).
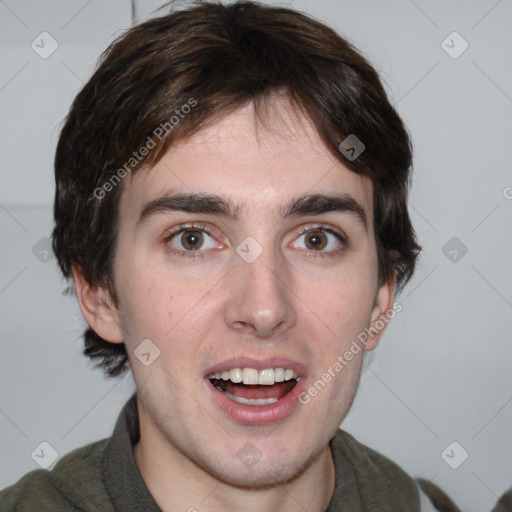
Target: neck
(178,483)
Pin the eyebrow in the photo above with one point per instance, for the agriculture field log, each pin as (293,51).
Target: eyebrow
(191,203)
(317,204)
(212,204)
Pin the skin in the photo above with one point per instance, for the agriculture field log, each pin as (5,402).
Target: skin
(289,302)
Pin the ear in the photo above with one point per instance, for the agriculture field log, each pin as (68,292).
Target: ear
(380,316)
(97,308)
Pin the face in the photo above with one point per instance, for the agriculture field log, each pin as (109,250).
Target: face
(232,276)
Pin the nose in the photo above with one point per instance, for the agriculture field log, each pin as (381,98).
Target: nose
(259,300)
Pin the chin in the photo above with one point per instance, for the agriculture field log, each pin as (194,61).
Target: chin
(276,469)
(264,476)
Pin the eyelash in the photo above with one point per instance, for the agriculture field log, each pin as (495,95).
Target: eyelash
(182,229)
(202,227)
(323,227)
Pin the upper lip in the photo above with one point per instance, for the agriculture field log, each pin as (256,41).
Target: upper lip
(258,364)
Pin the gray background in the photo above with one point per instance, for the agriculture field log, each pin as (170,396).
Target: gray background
(442,371)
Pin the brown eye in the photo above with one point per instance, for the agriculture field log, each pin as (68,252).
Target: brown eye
(315,240)
(322,240)
(192,240)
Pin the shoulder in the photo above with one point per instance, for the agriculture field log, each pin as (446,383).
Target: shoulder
(381,483)
(33,489)
(373,481)
(75,483)
(368,462)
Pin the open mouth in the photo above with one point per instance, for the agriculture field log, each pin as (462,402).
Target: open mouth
(252,387)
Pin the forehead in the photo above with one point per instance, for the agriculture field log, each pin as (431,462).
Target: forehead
(259,163)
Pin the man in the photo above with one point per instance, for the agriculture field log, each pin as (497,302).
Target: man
(231,204)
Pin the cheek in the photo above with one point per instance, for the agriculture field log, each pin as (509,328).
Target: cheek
(173,312)
(148,307)
(345,306)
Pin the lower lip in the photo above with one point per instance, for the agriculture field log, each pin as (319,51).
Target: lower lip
(257,414)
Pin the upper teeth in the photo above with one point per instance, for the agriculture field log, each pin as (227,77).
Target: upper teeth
(268,376)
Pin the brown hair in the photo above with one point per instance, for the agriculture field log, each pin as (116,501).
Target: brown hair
(216,58)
